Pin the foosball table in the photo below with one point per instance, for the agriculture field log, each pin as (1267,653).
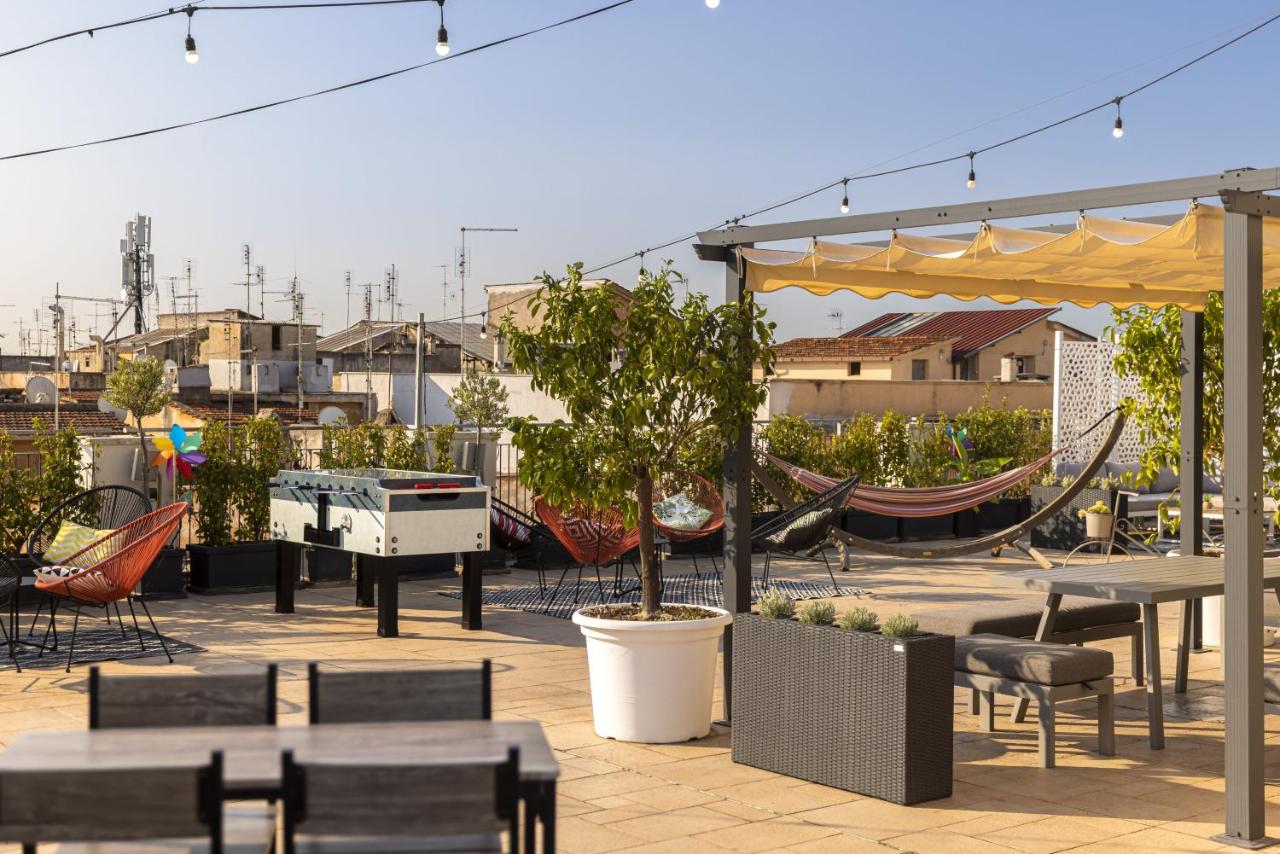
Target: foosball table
(379,515)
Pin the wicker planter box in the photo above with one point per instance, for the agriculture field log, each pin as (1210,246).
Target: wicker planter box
(869,526)
(1065,530)
(233,568)
(854,710)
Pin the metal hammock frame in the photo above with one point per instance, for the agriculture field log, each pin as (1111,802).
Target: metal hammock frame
(994,542)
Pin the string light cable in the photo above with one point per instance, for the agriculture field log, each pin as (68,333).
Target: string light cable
(342,87)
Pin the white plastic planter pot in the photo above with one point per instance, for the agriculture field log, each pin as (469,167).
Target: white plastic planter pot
(652,682)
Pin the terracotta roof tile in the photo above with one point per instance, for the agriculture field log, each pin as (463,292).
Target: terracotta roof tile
(14,420)
(841,349)
(975,330)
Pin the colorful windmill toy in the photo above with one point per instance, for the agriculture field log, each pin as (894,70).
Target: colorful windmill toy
(179,450)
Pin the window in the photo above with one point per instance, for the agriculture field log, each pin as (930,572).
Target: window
(1026,364)
(855,369)
(919,369)
(276,344)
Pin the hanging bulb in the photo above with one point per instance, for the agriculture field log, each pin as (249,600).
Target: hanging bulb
(442,35)
(1118,130)
(844,202)
(192,55)
(484,326)
(713,4)
(973,176)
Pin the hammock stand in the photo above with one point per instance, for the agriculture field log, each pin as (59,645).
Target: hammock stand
(1010,536)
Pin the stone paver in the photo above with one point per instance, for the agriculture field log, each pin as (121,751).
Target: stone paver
(683,797)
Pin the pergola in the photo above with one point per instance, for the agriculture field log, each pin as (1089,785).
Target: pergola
(1162,261)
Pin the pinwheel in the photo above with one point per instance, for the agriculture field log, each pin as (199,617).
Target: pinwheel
(179,450)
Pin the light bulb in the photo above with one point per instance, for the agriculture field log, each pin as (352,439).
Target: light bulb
(192,56)
(713,4)
(973,180)
(442,41)
(1118,130)
(844,204)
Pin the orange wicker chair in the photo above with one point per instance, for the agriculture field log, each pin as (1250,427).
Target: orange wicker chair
(110,570)
(699,491)
(593,538)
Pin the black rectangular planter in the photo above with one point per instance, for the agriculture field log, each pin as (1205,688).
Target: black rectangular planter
(869,526)
(328,567)
(1004,513)
(927,527)
(166,578)
(854,710)
(1065,530)
(233,568)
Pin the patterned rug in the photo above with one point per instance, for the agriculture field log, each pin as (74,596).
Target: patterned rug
(685,589)
(92,646)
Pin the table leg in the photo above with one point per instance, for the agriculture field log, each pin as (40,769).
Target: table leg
(388,597)
(1051,603)
(1155,690)
(1197,626)
(286,572)
(1185,619)
(472,587)
(548,816)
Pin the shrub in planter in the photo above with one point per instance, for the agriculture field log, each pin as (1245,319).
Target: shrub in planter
(846,706)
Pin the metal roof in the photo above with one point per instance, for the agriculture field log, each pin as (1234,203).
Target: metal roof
(353,338)
(976,330)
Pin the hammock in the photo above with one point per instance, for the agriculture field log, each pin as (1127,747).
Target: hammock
(916,502)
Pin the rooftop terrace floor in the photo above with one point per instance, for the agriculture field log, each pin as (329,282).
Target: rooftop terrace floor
(639,798)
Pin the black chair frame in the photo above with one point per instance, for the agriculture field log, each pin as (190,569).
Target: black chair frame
(824,510)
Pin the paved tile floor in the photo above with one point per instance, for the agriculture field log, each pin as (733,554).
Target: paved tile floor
(656,798)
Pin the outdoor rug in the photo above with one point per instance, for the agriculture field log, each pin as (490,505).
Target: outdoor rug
(686,589)
(92,645)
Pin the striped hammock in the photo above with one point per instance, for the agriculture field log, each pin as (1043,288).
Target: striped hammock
(916,502)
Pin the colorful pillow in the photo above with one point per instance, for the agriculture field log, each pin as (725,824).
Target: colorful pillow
(510,528)
(53,574)
(71,538)
(680,514)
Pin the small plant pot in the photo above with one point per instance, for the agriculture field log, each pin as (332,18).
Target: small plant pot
(233,568)
(1097,526)
(652,682)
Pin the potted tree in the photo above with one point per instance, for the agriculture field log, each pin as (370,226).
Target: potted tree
(480,400)
(637,384)
(137,386)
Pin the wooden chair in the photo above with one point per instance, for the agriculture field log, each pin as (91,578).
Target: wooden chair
(456,804)
(386,696)
(173,808)
(112,568)
(220,699)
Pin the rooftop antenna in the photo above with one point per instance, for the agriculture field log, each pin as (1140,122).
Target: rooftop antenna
(835,320)
(260,275)
(463,262)
(246,253)
(346,277)
(444,291)
(137,267)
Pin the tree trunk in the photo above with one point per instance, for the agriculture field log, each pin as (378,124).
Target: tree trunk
(650,584)
(146,463)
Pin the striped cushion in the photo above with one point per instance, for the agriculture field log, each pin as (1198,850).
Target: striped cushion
(71,538)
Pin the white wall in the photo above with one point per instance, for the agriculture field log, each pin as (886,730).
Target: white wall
(522,400)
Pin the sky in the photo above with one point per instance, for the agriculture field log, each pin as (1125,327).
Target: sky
(595,140)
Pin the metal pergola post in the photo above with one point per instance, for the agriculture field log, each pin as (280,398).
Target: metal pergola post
(1241,191)
(1242,515)
(1191,463)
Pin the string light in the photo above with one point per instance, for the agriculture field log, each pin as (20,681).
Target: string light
(973,176)
(713,4)
(442,35)
(192,55)
(844,202)
(484,327)
(1118,130)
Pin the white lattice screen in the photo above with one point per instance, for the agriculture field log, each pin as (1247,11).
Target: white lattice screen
(1085,385)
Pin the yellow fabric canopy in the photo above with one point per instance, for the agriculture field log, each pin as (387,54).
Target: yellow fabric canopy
(1117,262)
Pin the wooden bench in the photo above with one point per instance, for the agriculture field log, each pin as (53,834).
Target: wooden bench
(1045,672)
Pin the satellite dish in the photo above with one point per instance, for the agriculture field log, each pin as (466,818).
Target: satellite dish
(41,390)
(106,406)
(331,415)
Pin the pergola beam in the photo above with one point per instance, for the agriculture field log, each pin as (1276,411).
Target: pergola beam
(1124,195)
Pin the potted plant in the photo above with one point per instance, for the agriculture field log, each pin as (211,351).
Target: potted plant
(637,384)
(138,387)
(848,702)
(1098,521)
(480,400)
(232,506)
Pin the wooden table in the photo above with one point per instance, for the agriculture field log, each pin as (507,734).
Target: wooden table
(1149,583)
(251,754)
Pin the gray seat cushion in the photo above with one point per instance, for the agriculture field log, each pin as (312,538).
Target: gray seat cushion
(1031,661)
(1019,618)
(477,843)
(1271,682)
